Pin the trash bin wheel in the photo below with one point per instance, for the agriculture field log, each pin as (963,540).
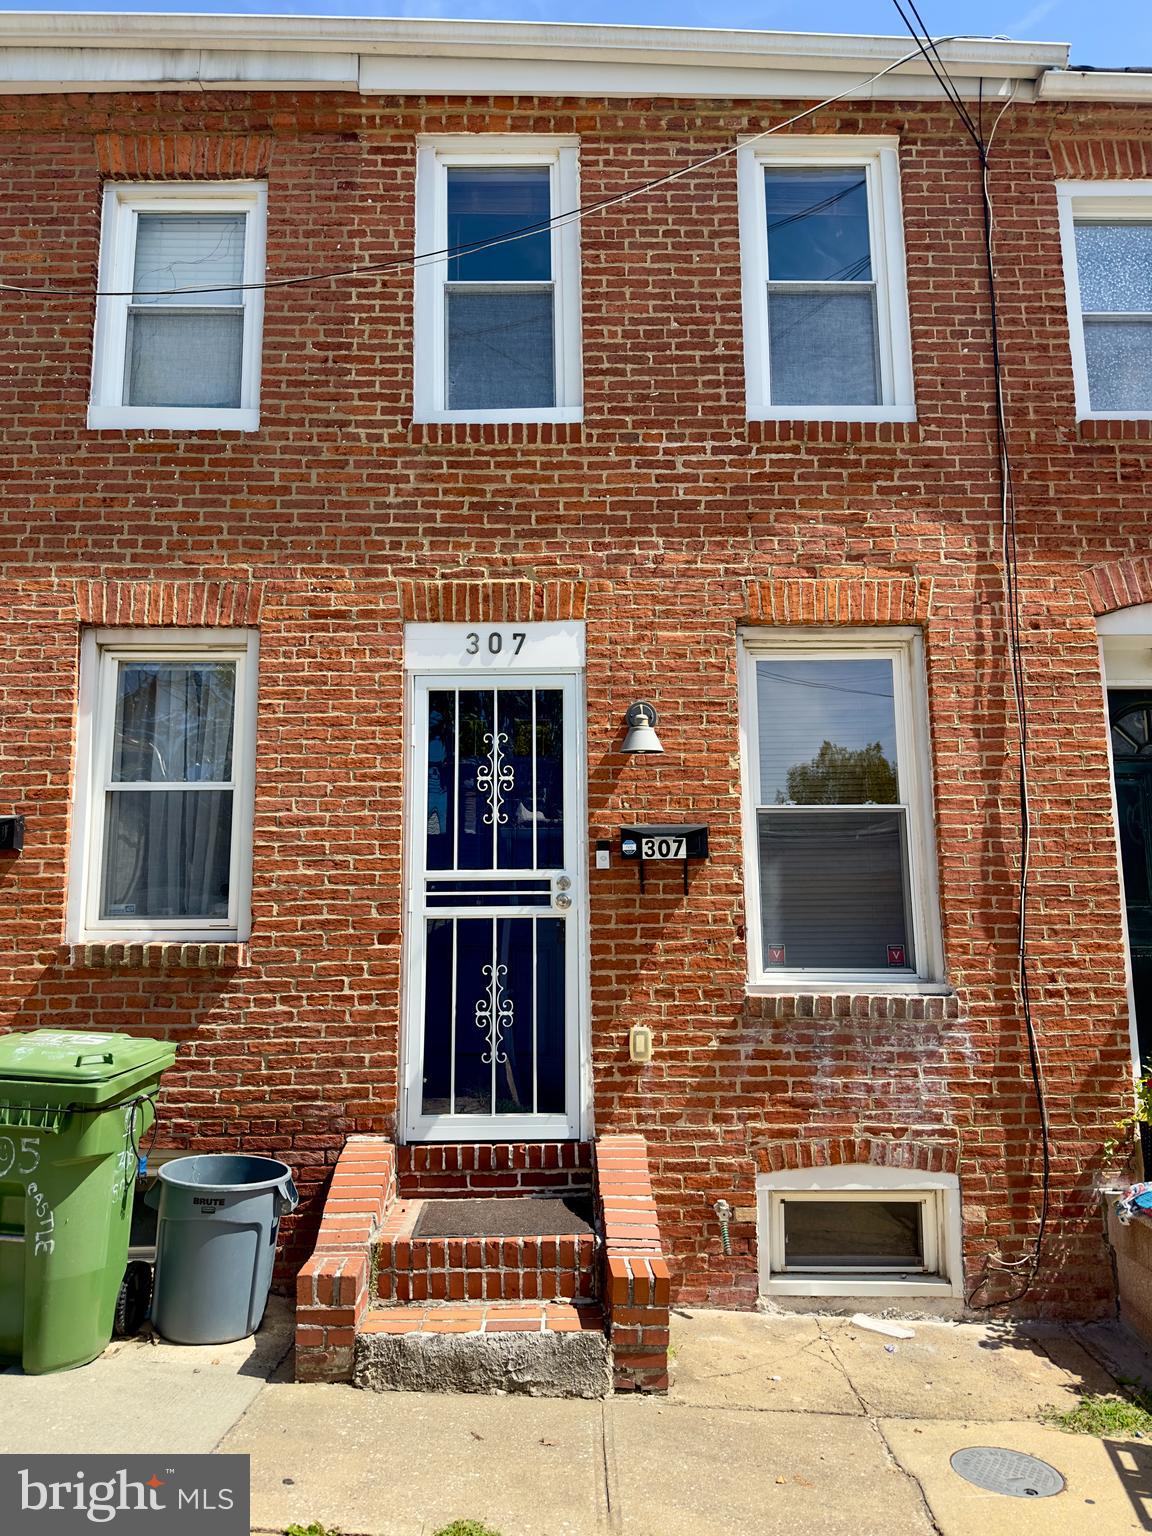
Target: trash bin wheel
(134,1299)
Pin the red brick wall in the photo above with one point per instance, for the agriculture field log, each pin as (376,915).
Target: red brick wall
(674,521)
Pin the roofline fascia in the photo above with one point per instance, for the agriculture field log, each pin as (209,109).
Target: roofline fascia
(1094,85)
(514,39)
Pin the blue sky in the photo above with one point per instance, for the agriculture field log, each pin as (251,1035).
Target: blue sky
(1108,32)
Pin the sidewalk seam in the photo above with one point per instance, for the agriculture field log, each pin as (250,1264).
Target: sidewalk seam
(256,1396)
(613,1515)
(911,1476)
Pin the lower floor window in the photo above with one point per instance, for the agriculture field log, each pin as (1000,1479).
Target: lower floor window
(860,1230)
(164,802)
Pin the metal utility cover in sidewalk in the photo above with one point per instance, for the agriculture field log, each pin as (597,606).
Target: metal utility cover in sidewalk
(1011,1472)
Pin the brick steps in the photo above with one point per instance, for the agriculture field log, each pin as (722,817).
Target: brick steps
(462,1269)
(486,1318)
(552,1316)
(429,1169)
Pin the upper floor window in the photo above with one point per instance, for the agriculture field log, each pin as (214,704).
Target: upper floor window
(1106,232)
(497,319)
(825,309)
(838,833)
(177,331)
(163,841)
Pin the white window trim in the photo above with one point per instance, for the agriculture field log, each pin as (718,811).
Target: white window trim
(99,652)
(943,1231)
(1100,200)
(122,203)
(904,646)
(434,155)
(879,159)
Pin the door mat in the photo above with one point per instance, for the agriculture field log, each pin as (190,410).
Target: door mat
(517,1216)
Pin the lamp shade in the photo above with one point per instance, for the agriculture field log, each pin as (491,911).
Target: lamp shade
(641,720)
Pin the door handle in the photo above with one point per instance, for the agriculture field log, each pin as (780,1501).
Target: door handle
(560,896)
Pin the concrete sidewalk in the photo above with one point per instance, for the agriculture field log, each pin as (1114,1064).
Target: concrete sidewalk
(778,1426)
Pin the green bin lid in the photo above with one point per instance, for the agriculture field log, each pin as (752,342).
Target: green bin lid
(76,1056)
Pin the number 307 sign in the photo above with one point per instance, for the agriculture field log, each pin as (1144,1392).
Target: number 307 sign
(494,647)
(663,847)
(650,844)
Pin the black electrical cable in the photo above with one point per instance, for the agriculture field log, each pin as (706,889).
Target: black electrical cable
(932,55)
(447,253)
(1030,1263)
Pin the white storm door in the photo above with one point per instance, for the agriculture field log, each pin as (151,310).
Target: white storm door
(496,909)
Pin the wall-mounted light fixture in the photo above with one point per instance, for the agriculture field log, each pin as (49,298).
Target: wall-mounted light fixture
(641,719)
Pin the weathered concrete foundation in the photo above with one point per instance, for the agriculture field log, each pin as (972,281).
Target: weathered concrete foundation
(533,1364)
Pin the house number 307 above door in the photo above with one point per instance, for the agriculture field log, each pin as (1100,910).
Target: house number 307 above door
(516,647)
(494,641)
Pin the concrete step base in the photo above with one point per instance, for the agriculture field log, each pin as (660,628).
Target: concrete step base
(552,1351)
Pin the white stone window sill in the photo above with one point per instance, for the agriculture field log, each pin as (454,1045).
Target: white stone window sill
(128,418)
(849,1286)
(831,413)
(840,986)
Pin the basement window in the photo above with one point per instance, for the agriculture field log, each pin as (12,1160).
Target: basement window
(858,1231)
(178,326)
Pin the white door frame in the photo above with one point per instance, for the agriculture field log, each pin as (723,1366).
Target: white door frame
(459,656)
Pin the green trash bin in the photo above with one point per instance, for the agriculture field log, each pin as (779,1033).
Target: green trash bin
(73,1109)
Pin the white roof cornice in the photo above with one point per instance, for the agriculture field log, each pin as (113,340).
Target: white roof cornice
(1095,85)
(53,51)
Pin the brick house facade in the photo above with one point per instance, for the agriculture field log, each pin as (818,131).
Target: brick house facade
(665,527)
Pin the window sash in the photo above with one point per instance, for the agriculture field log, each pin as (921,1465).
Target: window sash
(878,159)
(1082,204)
(903,647)
(123,205)
(100,672)
(930,1231)
(436,156)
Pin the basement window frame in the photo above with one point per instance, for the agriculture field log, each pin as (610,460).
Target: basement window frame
(1084,202)
(878,157)
(101,652)
(123,202)
(436,155)
(903,645)
(938,1195)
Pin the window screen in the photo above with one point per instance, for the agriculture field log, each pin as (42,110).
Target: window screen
(822,324)
(499,318)
(832,826)
(1114,261)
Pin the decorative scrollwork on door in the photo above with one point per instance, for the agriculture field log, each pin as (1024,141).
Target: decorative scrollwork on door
(495,1014)
(495,778)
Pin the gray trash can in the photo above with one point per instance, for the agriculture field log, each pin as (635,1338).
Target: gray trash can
(216,1243)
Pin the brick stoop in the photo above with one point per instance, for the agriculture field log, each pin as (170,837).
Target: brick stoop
(426,1170)
(458,1269)
(555,1315)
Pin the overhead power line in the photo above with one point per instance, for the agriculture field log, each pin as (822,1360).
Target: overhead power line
(447,253)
